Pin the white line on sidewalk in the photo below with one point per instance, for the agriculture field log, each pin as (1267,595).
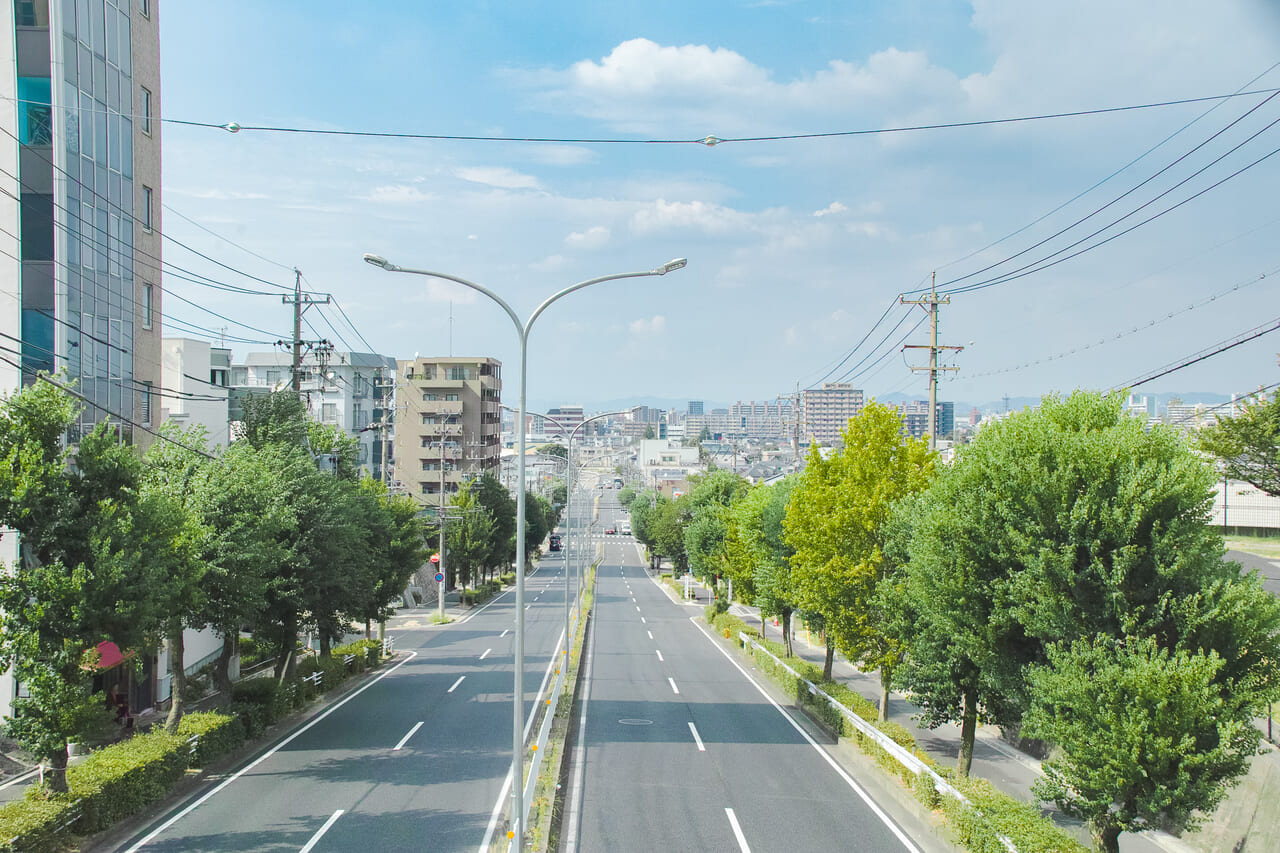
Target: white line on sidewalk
(674,689)
(455,684)
(328,823)
(405,739)
(486,654)
(694,730)
(659,651)
(261,758)
(737,831)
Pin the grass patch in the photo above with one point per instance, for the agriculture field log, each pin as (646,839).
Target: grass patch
(1261,546)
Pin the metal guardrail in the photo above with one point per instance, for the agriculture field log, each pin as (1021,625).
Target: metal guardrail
(900,753)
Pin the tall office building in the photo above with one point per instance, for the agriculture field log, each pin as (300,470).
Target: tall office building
(827,411)
(696,407)
(81,132)
(80,212)
(448,424)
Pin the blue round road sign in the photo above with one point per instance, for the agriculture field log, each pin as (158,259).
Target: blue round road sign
(439,577)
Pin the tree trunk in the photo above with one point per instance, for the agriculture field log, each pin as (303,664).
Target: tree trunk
(326,645)
(968,728)
(786,633)
(1105,837)
(886,675)
(178,666)
(764,622)
(222,669)
(368,629)
(55,779)
(831,656)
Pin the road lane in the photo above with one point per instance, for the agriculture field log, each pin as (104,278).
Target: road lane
(415,760)
(686,736)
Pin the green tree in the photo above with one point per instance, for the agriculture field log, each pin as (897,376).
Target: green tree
(92,553)
(667,530)
(648,432)
(1248,444)
(626,496)
(501,506)
(759,556)
(553,449)
(644,514)
(1062,524)
(538,520)
(469,536)
(1147,736)
(836,524)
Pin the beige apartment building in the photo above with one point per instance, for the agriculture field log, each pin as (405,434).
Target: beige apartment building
(448,424)
(827,411)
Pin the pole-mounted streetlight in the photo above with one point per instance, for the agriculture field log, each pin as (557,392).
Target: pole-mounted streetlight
(522,331)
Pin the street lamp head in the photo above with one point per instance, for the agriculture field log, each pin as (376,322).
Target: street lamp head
(669,266)
(379,261)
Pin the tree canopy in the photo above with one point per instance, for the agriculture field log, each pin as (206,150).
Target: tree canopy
(1249,444)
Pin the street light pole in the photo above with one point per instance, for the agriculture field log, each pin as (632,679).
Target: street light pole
(522,331)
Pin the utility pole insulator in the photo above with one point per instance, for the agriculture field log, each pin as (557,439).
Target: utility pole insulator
(932,301)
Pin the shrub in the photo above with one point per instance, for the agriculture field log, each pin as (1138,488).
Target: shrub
(219,734)
(121,779)
(273,701)
(35,824)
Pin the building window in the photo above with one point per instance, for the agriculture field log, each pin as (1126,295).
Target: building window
(144,6)
(428,396)
(452,398)
(148,307)
(146,110)
(146,403)
(146,208)
(459,373)
(329,412)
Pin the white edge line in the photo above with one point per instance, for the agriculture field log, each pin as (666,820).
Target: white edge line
(405,739)
(737,830)
(455,684)
(574,804)
(328,823)
(694,731)
(493,818)
(261,758)
(857,789)
(674,689)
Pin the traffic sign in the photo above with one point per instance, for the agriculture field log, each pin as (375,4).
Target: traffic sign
(435,558)
(439,577)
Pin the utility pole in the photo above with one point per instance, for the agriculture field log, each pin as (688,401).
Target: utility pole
(933,302)
(300,303)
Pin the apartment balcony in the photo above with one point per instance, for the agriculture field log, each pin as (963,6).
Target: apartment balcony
(439,407)
(447,430)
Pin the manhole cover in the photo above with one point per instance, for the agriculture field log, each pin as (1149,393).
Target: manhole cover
(634,722)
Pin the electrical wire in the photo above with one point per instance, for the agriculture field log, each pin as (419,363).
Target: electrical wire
(709,141)
(851,374)
(1209,352)
(228,240)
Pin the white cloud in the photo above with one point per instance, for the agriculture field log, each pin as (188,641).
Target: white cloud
(662,215)
(834,207)
(839,315)
(593,238)
(550,263)
(497,176)
(649,328)
(397,194)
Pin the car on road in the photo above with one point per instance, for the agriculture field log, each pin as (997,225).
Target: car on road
(611,530)
(625,528)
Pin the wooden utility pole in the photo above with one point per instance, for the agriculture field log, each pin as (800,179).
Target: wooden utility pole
(932,301)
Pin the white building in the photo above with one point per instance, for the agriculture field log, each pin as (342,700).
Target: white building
(194,380)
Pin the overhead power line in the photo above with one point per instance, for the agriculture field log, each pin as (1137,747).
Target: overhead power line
(709,141)
(1253,334)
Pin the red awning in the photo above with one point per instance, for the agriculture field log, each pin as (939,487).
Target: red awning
(109,655)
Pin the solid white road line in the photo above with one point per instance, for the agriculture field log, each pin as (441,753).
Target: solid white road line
(574,804)
(674,689)
(857,789)
(493,818)
(261,758)
(455,684)
(659,651)
(486,654)
(405,739)
(694,731)
(328,823)
(737,831)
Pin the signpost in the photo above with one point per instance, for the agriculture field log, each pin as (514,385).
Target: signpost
(435,561)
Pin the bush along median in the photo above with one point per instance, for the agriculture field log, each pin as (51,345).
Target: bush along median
(119,780)
(983,824)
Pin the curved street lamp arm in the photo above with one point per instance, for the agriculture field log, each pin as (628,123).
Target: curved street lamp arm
(546,303)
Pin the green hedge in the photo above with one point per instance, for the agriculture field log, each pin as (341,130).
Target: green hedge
(121,779)
(32,825)
(482,593)
(219,734)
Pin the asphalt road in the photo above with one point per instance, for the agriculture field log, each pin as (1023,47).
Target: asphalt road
(680,751)
(415,760)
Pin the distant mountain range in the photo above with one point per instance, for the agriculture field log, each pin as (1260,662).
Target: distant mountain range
(1159,400)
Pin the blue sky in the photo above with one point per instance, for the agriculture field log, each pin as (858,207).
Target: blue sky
(795,247)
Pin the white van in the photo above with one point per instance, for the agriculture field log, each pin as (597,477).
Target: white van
(625,528)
